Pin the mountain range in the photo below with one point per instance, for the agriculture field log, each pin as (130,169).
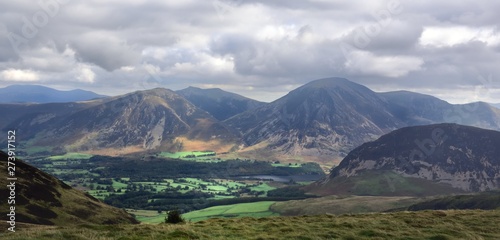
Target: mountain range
(154,119)
(333,116)
(325,118)
(41,94)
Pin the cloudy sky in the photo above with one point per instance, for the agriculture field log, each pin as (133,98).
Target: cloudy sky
(258,48)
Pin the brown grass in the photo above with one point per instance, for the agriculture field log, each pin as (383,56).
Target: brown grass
(199,145)
(471,224)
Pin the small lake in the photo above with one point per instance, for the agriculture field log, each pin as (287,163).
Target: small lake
(296,178)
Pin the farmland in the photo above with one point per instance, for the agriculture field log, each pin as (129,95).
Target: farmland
(198,156)
(187,181)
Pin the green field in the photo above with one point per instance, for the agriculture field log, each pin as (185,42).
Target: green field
(148,216)
(256,209)
(264,187)
(195,155)
(72,155)
(286,165)
(118,185)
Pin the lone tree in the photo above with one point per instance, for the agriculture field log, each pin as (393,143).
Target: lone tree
(174,217)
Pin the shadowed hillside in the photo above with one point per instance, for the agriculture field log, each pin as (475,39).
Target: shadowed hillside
(43,199)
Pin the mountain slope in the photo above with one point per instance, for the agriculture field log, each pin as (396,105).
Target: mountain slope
(43,199)
(420,160)
(323,117)
(419,109)
(415,108)
(156,119)
(41,94)
(221,104)
(497,105)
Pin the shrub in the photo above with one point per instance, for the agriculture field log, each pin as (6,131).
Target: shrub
(174,217)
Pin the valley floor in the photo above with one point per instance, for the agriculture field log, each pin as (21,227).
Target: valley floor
(451,224)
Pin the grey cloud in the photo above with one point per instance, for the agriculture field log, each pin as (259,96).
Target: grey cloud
(165,34)
(105,51)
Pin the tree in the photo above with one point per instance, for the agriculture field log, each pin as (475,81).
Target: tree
(174,217)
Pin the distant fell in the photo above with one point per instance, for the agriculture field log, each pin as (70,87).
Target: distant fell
(221,104)
(157,119)
(41,94)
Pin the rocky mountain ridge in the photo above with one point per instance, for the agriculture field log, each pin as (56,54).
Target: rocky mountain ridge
(462,157)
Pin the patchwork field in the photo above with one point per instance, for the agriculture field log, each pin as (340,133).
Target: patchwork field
(186,181)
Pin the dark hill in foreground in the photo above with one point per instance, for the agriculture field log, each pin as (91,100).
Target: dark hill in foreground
(43,199)
(422,160)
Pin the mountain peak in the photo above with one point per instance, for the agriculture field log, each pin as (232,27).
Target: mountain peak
(330,82)
(324,117)
(156,91)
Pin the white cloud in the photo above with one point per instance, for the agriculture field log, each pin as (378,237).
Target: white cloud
(20,75)
(85,74)
(452,35)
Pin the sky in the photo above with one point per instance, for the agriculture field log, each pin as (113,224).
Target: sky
(259,49)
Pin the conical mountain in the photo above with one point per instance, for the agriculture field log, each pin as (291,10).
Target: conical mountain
(326,116)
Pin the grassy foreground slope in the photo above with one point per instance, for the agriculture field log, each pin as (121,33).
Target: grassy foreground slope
(450,224)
